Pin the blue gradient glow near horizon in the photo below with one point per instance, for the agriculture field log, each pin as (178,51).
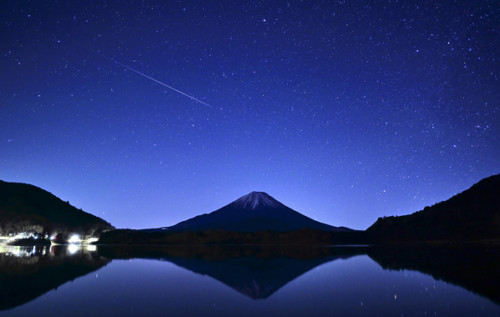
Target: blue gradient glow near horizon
(343,111)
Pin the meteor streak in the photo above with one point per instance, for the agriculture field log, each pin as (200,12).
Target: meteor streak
(163,84)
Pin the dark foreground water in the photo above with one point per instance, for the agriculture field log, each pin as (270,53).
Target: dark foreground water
(252,281)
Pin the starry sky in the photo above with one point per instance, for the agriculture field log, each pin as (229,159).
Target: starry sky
(345,111)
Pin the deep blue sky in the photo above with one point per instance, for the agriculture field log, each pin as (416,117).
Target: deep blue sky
(342,110)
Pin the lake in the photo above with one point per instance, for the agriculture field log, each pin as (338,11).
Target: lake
(249,281)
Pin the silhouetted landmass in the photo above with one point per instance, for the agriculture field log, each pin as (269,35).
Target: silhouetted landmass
(257,218)
(474,267)
(254,212)
(471,215)
(23,279)
(256,272)
(27,208)
(297,237)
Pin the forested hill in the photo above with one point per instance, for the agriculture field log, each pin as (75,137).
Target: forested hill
(27,208)
(471,215)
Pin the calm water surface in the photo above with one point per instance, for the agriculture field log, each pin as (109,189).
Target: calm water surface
(258,283)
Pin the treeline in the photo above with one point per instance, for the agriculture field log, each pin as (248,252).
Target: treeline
(471,215)
(297,237)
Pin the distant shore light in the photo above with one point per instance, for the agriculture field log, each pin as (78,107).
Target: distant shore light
(74,239)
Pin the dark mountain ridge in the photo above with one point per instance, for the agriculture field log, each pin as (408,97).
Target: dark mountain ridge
(473,214)
(256,211)
(27,208)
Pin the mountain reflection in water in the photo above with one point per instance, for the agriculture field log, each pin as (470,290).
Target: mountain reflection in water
(259,273)
(254,271)
(474,267)
(29,272)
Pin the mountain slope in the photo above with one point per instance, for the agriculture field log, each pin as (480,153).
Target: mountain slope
(471,215)
(256,211)
(27,208)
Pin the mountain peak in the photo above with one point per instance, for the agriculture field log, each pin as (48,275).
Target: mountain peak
(256,199)
(256,211)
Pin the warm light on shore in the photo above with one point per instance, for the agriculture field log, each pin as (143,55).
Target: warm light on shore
(75,239)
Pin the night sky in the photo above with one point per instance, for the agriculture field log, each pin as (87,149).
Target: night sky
(343,110)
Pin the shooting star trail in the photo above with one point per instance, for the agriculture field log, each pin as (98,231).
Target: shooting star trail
(162,83)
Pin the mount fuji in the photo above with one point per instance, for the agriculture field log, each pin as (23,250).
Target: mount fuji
(256,211)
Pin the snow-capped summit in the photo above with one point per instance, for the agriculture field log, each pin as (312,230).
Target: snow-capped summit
(256,211)
(257,199)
